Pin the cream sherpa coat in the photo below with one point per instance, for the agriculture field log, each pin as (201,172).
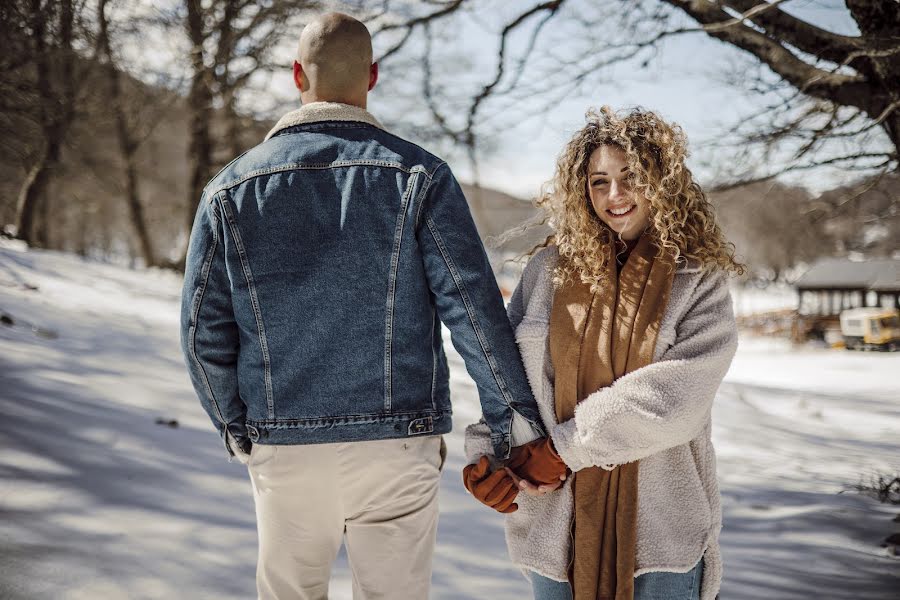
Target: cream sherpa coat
(659,414)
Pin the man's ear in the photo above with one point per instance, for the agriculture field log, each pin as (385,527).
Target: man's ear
(373,75)
(298,75)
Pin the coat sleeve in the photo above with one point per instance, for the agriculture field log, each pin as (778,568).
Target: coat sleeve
(534,270)
(478,435)
(664,404)
(515,310)
(469,303)
(209,333)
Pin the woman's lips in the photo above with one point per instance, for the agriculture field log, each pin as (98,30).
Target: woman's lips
(625,214)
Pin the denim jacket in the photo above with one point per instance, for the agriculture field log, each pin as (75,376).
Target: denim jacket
(320,267)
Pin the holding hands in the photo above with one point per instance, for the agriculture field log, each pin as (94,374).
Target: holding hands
(538,463)
(534,468)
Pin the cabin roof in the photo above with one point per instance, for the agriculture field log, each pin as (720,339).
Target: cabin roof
(876,274)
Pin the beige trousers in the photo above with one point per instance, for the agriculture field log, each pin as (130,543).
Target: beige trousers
(379,498)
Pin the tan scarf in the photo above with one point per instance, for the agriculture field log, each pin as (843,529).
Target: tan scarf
(595,338)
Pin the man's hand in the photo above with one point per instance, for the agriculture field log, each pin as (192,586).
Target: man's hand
(497,489)
(240,448)
(245,445)
(537,462)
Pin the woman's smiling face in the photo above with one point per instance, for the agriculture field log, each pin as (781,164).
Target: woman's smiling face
(612,196)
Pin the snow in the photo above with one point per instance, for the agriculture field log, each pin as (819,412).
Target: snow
(100,501)
(749,299)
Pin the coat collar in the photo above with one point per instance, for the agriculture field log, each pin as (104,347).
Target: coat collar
(324,111)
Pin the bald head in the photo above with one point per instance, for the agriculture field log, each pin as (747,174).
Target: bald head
(335,57)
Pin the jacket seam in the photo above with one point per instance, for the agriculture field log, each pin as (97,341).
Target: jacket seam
(359,125)
(420,200)
(433,362)
(330,124)
(391,295)
(195,312)
(358,418)
(222,170)
(421,197)
(469,311)
(254,302)
(310,167)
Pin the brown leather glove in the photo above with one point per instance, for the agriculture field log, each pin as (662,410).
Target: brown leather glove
(537,462)
(497,489)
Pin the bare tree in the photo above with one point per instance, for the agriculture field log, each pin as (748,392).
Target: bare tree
(775,226)
(771,227)
(48,75)
(231,41)
(863,216)
(200,106)
(128,138)
(245,44)
(839,87)
(838,95)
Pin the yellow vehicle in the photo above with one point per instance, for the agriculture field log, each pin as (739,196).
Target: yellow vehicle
(871,328)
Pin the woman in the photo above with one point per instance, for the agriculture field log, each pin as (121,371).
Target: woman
(626,330)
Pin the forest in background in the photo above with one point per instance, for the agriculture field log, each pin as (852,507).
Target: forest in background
(106,165)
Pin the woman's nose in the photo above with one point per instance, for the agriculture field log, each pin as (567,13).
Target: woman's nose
(615,189)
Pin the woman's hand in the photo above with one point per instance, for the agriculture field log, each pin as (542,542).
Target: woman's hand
(532,489)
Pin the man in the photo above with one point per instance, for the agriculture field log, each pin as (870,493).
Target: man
(321,265)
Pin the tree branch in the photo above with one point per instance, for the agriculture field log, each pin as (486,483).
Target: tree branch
(844,89)
(427,91)
(888,157)
(798,33)
(551,8)
(451,7)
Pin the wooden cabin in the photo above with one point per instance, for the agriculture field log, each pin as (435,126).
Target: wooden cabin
(832,285)
(835,284)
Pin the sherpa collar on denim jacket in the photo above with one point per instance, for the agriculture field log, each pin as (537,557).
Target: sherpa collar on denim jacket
(324,111)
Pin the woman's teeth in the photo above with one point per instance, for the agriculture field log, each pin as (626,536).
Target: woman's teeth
(620,212)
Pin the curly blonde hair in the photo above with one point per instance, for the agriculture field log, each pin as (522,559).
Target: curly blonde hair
(682,220)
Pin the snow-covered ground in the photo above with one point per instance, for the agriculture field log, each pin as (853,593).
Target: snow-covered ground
(749,299)
(97,500)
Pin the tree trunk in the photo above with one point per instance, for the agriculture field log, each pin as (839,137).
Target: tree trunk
(233,131)
(56,111)
(136,212)
(42,223)
(36,180)
(892,127)
(32,194)
(879,24)
(200,106)
(127,145)
(29,193)
(226,87)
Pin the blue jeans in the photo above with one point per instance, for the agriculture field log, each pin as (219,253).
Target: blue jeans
(649,586)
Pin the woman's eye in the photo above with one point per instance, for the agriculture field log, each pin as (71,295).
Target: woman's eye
(599,182)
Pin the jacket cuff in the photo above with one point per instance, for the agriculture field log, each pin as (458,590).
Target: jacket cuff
(478,442)
(522,431)
(565,440)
